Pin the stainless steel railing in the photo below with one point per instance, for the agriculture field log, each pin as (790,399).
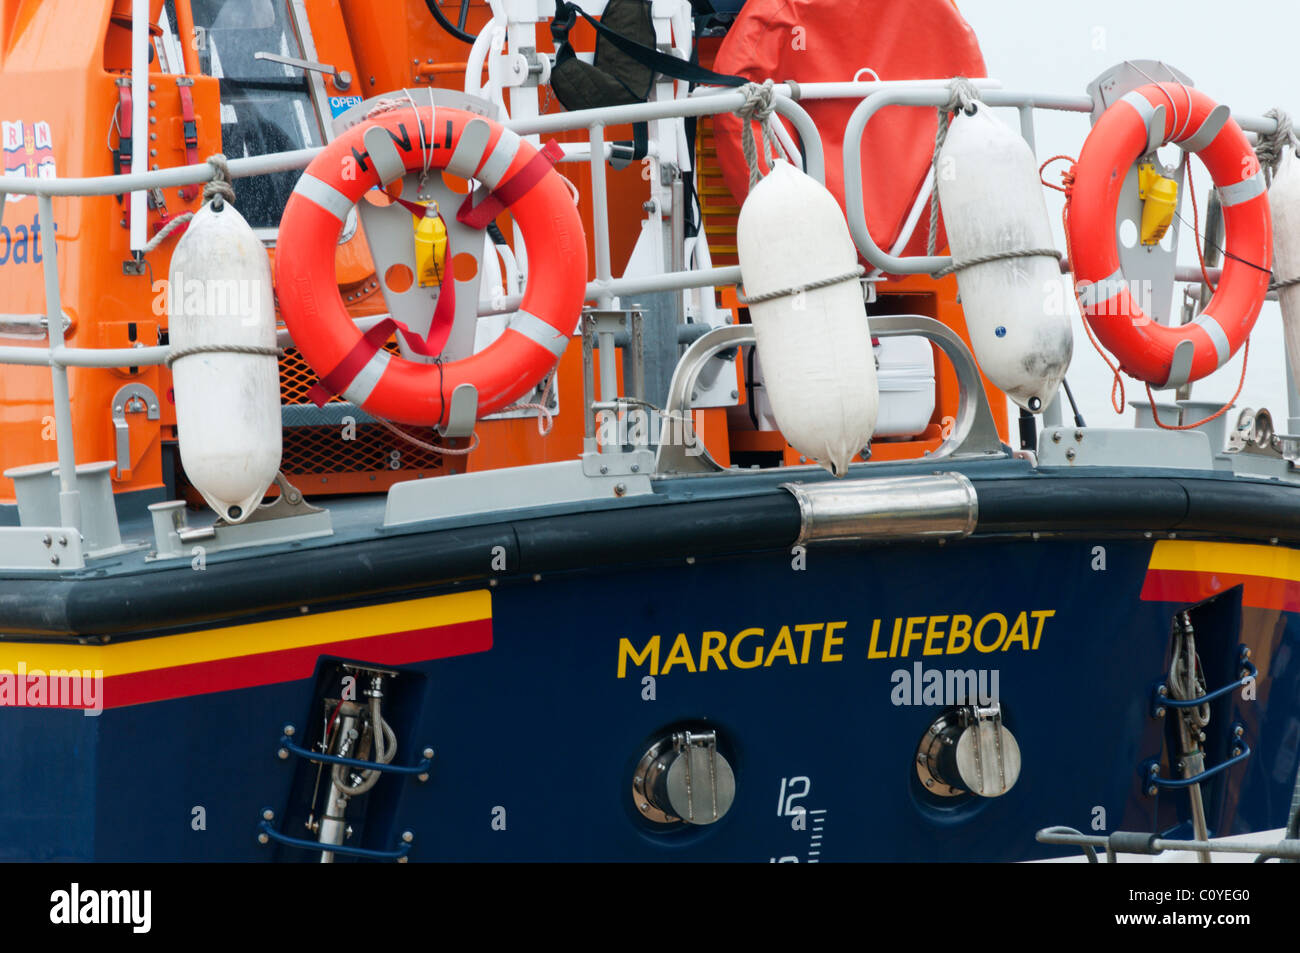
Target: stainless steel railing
(603,289)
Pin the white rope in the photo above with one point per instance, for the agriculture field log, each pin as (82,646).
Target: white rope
(961,93)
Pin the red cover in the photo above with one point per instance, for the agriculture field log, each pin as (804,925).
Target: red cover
(828,41)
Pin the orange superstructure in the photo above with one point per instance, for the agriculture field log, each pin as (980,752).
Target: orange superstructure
(64,82)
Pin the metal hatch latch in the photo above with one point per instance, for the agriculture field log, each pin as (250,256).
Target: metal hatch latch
(130,399)
(968,750)
(683,777)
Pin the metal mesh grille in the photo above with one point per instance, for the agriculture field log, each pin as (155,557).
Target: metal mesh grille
(297,377)
(312,450)
(322,449)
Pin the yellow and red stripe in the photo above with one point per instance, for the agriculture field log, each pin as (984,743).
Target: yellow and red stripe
(1192,571)
(265,653)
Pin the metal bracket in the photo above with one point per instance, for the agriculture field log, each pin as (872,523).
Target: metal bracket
(974,434)
(285,519)
(1254,434)
(462,413)
(40,547)
(1147,267)
(289,503)
(130,399)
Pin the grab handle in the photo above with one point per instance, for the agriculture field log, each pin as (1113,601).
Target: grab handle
(1162,700)
(267,833)
(1151,767)
(288,747)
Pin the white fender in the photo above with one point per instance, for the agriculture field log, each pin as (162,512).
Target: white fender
(1284,203)
(992,201)
(227,405)
(819,369)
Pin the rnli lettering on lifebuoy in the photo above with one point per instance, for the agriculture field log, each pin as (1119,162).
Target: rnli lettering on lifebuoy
(1160,355)
(518,177)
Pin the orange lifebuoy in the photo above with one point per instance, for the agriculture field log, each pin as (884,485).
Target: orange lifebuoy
(517,175)
(1152,352)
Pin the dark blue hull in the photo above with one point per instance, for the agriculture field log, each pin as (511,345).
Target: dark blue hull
(537,737)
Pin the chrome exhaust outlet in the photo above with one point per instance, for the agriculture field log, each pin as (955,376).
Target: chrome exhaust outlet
(936,506)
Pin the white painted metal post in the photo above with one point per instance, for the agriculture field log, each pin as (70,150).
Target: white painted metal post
(139,120)
(69,498)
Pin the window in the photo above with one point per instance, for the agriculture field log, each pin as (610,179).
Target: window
(265,107)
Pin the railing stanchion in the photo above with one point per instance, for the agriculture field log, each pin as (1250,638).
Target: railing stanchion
(69,499)
(600,215)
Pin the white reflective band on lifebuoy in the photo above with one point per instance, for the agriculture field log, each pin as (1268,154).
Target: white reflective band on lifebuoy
(324,195)
(1141,104)
(1242,191)
(359,390)
(1211,326)
(1100,291)
(502,155)
(1208,131)
(537,330)
(469,148)
(383,153)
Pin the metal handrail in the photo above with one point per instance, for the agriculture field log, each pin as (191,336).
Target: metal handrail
(974,432)
(934,98)
(266,832)
(1130,842)
(1249,673)
(1240,752)
(419,770)
(604,289)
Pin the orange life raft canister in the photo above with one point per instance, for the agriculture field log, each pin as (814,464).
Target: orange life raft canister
(517,175)
(1152,352)
(818,41)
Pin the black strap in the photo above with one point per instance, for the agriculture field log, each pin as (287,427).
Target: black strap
(566,16)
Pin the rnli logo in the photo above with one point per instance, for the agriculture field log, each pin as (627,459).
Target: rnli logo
(28,151)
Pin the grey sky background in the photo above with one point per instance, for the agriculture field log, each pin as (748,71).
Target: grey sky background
(1244,56)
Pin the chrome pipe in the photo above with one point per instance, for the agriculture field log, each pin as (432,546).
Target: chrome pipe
(939,505)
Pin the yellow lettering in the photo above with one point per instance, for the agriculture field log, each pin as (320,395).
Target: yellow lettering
(931,633)
(680,655)
(807,631)
(960,629)
(782,639)
(1019,633)
(833,640)
(909,636)
(1002,631)
(872,651)
(627,651)
(1042,615)
(736,660)
(893,642)
(711,646)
